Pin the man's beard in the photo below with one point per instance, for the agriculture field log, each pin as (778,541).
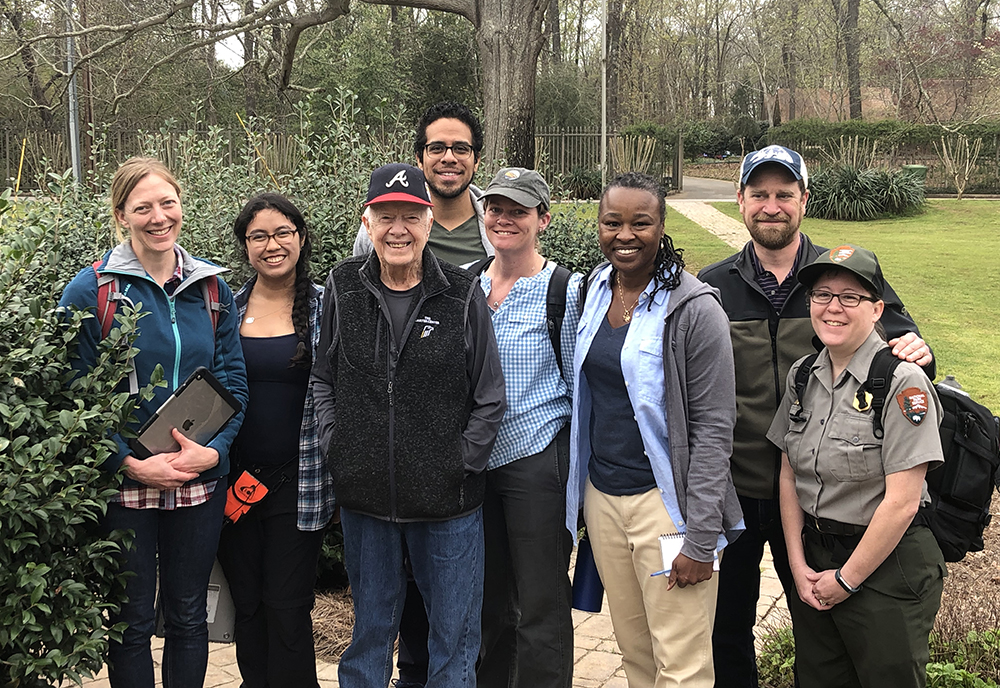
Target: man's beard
(773,238)
(449,193)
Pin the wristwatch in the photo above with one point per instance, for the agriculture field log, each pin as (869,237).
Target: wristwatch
(843,583)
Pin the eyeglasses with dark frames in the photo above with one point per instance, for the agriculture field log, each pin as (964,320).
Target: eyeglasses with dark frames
(436,149)
(282,236)
(847,300)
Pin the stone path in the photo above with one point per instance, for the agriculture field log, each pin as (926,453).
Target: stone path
(733,232)
(597,661)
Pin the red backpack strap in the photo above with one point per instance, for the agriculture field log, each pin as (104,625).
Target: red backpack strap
(107,301)
(210,292)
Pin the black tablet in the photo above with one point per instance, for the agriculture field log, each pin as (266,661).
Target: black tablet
(200,408)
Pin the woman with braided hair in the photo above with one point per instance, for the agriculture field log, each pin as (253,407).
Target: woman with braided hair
(269,554)
(653,414)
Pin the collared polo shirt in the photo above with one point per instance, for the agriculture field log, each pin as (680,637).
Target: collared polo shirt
(776,293)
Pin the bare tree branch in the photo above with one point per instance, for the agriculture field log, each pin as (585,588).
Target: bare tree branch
(466,8)
(331,10)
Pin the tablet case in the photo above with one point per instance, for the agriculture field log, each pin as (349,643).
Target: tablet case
(199,408)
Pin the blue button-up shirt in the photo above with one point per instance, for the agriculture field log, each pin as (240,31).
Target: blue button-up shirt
(642,368)
(538,398)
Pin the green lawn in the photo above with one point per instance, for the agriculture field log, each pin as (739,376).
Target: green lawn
(945,264)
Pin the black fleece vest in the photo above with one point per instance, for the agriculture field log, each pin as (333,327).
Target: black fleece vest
(396,451)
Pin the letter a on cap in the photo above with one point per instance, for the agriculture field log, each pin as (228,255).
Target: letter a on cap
(400,177)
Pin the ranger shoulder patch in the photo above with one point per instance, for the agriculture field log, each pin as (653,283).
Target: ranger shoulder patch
(913,403)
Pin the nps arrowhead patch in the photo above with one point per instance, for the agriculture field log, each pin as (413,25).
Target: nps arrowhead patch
(913,403)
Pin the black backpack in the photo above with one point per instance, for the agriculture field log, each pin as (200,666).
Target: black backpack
(962,487)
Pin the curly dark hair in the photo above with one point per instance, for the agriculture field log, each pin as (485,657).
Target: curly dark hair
(669,262)
(303,280)
(449,110)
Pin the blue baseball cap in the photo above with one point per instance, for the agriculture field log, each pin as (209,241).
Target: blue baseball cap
(786,157)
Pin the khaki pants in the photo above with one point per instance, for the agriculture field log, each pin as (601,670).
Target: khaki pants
(665,636)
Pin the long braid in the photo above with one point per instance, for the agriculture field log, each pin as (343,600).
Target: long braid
(669,260)
(300,317)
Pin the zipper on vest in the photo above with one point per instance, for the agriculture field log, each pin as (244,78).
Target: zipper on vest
(390,373)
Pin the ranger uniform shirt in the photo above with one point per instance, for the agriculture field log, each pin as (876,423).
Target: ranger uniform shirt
(839,464)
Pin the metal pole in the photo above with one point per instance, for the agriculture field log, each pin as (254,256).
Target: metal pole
(604,93)
(74,119)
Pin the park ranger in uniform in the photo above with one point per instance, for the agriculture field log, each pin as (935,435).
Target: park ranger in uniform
(868,577)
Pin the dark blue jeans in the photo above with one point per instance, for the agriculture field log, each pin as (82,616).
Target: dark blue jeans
(739,589)
(447,561)
(186,540)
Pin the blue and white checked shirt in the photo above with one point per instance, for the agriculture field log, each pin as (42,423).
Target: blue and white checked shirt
(316,500)
(539,400)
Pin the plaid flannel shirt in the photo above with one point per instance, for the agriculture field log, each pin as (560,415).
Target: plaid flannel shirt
(315,488)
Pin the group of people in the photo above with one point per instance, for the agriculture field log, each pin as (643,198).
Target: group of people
(468,421)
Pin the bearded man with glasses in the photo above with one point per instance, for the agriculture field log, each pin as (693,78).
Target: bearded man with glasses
(447,144)
(770,329)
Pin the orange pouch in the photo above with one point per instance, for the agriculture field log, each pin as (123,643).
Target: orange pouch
(242,495)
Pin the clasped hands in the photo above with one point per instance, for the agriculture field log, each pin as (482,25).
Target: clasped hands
(170,470)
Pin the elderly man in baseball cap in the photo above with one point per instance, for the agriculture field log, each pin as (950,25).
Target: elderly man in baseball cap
(770,329)
(409,396)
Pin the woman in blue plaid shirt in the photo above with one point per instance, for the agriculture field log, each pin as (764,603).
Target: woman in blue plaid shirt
(527,620)
(269,554)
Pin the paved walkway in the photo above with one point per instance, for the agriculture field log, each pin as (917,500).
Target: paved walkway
(597,661)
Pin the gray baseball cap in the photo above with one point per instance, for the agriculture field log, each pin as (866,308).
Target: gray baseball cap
(520,185)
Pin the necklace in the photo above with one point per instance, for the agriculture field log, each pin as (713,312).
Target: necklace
(250,319)
(626,311)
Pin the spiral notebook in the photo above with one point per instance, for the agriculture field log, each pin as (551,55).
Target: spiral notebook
(670,547)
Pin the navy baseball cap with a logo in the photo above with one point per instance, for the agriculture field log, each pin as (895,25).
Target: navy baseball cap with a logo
(786,157)
(398,182)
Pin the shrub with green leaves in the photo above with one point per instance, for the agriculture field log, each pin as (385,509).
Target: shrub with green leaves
(844,192)
(969,662)
(58,571)
(570,240)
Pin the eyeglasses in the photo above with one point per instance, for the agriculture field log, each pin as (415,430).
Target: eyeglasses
(822,298)
(282,236)
(460,150)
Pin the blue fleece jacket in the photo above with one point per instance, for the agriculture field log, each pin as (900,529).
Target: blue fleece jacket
(176,332)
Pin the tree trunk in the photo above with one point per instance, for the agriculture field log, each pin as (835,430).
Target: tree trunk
(579,33)
(553,23)
(509,36)
(789,60)
(251,68)
(41,105)
(852,55)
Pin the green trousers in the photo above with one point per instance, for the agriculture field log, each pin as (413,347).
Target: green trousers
(877,638)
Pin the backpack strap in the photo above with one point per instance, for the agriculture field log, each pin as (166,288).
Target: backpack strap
(587,280)
(555,310)
(802,378)
(210,292)
(108,296)
(879,380)
(479,267)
